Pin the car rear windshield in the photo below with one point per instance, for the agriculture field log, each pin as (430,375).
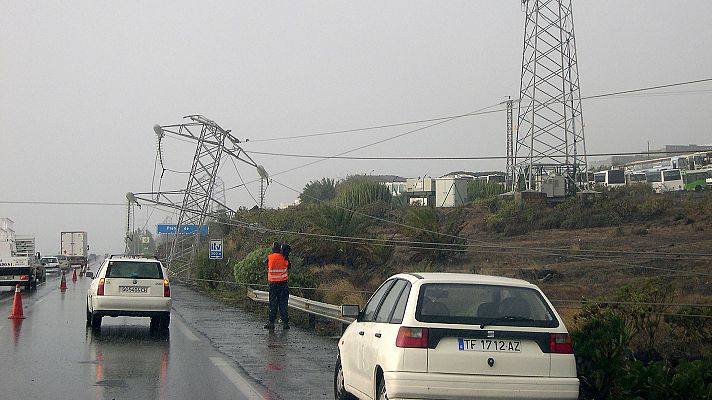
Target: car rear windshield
(134,269)
(475,304)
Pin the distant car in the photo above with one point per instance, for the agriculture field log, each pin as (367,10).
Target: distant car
(129,286)
(50,263)
(455,336)
(64,264)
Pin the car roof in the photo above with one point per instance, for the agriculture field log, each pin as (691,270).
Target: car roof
(449,277)
(135,259)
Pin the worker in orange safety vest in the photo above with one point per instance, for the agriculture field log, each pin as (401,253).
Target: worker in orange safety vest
(278,278)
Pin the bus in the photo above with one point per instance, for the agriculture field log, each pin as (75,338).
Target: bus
(655,164)
(668,180)
(700,161)
(634,177)
(609,178)
(697,180)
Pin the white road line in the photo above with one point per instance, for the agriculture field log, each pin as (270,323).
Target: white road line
(238,380)
(41,300)
(186,332)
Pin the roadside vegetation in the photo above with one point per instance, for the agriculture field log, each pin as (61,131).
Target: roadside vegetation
(632,341)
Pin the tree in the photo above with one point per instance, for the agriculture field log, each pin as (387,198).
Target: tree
(438,232)
(318,191)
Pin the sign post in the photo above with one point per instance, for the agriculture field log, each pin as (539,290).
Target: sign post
(216,249)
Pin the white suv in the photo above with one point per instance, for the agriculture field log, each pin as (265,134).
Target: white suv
(455,336)
(130,286)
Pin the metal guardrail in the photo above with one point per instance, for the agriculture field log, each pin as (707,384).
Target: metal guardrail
(312,307)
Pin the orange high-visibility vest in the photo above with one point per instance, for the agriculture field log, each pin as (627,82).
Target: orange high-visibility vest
(277,270)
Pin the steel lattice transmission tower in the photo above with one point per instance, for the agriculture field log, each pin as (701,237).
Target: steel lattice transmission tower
(198,201)
(550,138)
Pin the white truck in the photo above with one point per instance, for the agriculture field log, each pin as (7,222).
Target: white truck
(75,246)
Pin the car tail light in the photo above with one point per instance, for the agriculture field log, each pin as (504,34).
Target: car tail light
(100,289)
(561,343)
(412,337)
(166,288)
(23,278)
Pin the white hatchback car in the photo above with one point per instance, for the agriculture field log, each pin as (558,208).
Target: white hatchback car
(455,336)
(130,286)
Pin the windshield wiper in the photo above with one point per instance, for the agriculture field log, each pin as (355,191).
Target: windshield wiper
(506,318)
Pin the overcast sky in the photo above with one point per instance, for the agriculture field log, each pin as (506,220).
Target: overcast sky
(83,82)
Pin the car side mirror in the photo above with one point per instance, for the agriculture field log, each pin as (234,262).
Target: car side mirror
(350,311)
(89,274)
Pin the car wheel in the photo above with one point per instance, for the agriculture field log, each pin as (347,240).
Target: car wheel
(340,392)
(381,393)
(88,315)
(96,322)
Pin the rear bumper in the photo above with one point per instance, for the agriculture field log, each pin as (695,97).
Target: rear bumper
(12,281)
(413,385)
(115,306)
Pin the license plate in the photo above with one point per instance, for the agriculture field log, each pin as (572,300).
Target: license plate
(504,346)
(133,289)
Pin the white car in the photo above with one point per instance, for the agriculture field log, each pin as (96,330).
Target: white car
(50,262)
(129,286)
(455,336)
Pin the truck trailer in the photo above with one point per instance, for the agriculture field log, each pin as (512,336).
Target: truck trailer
(75,246)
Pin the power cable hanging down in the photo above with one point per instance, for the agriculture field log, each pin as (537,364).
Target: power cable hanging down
(247,225)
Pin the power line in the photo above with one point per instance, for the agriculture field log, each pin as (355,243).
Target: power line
(355,240)
(64,203)
(478,112)
(603,95)
(446,157)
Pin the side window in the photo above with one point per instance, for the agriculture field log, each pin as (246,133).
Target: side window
(375,301)
(399,311)
(389,302)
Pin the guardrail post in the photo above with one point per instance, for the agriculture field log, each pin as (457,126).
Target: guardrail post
(312,321)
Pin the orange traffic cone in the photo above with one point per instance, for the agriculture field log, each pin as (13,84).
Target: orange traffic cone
(63,283)
(74,275)
(17,305)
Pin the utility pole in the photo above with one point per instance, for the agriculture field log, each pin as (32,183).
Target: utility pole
(197,201)
(550,137)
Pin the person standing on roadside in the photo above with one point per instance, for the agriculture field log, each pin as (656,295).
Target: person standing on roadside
(278,278)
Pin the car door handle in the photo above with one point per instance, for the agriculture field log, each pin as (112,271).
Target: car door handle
(377,335)
(361,333)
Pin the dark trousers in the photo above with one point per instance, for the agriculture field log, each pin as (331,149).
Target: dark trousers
(278,298)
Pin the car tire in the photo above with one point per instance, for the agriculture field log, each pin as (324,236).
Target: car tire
(340,392)
(95,321)
(381,393)
(88,315)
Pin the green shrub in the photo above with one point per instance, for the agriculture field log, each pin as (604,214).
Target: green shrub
(659,381)
(252,270)
(479,189)
(600,344)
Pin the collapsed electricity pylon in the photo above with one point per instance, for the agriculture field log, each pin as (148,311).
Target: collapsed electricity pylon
(198,198)
(550,139)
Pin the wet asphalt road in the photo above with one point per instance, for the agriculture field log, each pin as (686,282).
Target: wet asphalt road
(212,351)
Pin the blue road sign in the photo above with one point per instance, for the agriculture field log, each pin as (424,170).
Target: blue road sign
(216,249)
(170,229)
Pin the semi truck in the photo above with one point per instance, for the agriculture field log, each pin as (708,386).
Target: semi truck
(74,246)
(24,271)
